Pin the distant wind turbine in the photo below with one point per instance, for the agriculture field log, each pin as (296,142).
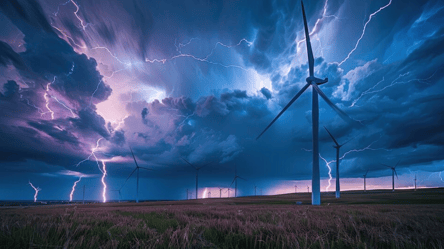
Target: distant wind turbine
(314,83)
(393,174)
(295,188)
(197,174)
(220,192)
(415,182)
(255,187)
(337,146)
(137,168)
(228,191)
(308,189)
(235,180)
(365,177)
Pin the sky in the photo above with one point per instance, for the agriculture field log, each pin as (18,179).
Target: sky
(82,82)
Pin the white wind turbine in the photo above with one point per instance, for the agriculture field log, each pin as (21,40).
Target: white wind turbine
(314,83)
(393,174)
(197,174)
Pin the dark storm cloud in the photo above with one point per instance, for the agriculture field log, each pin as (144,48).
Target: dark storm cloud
(9,56)
(60,135)
(75,81)
(267,94)
(89,120)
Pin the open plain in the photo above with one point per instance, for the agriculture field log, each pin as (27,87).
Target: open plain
(375,219)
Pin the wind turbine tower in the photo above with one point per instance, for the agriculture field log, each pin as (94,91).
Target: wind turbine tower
(235,180)
(415,182)
(337,146)
(136,169)
(220,192)
(314,83)
(197,174)
(365,177)
(393,174)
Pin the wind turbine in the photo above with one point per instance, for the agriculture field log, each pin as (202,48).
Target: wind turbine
(137,168)
(220,192)
(415,182)
(228,190)
(255,187)
(295,188)
(197,173)
(308,189)
(365,176)
(235,180)
(337,146)
(393,174)
(313,82)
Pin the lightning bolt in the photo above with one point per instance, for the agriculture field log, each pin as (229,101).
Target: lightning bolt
(393,83)
(103,181)
(45,96)
(203,59)
(329,171)
(366,92)
(316,27)
(36,191)
(327,163)
(78,17)
(363,31)
(74,188)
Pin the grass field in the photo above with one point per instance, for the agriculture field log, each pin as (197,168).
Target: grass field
(376,219)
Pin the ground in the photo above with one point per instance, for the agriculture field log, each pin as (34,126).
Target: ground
(375,219)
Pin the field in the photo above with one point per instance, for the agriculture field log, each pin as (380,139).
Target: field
(376,219)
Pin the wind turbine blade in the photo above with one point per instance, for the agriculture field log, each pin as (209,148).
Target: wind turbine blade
(341,113)
(397,163)
(347,141)
(134,157)
(395,173)
(285,108)
(233,181)
(189,163)
(242,178)
(146,168)
(366,172)
(336,142)
(307,41)
(128,177)
(205,165)
(386,165)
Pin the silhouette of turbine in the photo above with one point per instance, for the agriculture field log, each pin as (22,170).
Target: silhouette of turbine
(197,173)
(235,180)
(393,174)
(337,146)
(313,82)
(137,168)
(365,177)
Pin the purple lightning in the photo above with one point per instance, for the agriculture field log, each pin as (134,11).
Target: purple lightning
(363,31)
(103,181)
(36,191)
(74,188)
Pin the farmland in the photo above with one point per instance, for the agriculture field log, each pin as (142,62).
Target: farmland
(376,219)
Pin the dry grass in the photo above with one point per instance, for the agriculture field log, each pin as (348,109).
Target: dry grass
(233,223)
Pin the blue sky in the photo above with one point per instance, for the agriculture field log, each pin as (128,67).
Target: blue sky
(82,81)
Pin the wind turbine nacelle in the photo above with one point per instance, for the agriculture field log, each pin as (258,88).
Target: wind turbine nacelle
(315,80)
